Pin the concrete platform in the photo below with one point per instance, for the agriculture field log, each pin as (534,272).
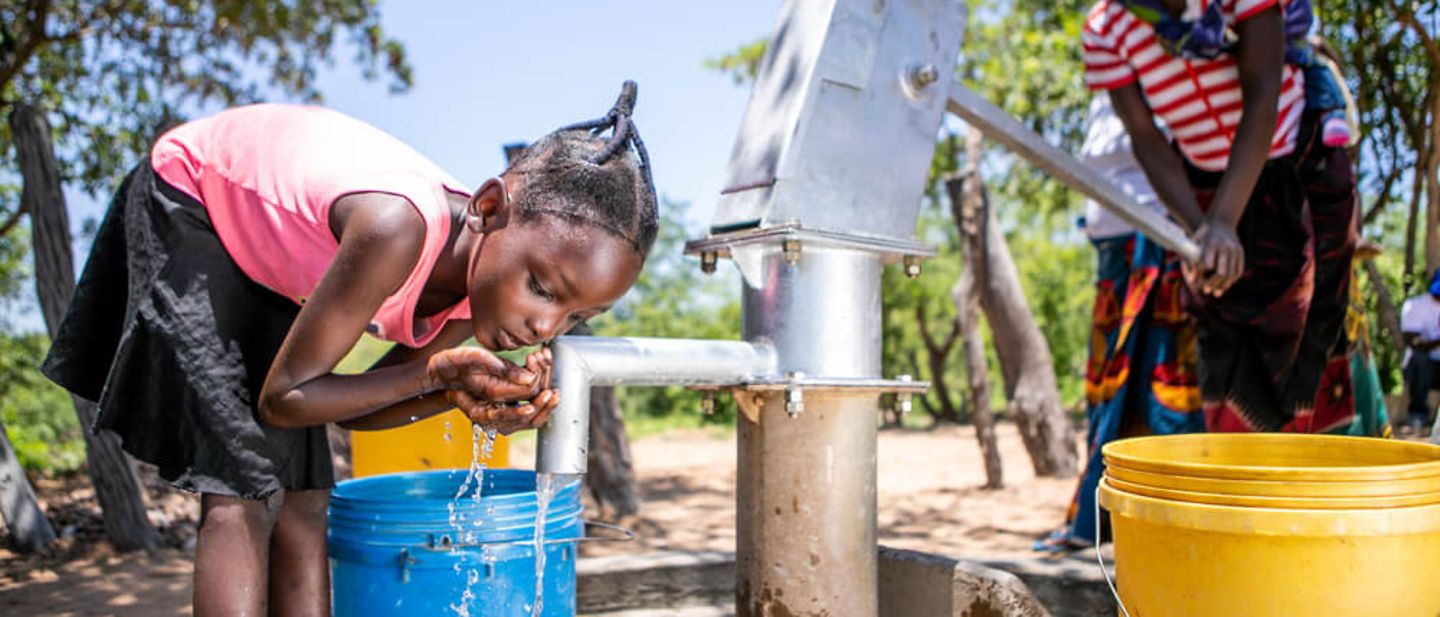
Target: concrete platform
(692,611)
(913,584)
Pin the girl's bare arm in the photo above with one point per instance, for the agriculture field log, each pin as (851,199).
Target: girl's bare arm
(380,240)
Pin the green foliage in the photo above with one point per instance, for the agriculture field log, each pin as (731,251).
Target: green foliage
(1387,231)
(37,414)
(113,75)
(1395,78)
(674,299)
(1388,357)
(366,352)
(741,64)
(1024,56)
(903,350)
(13,269)
(1027,61)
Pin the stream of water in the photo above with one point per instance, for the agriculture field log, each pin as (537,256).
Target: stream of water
(482,444)
(546,485)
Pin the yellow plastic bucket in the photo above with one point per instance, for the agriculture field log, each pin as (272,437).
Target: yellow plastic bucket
(422,446)
(1286,524)
(1179,559)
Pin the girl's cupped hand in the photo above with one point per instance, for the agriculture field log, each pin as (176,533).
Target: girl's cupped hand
(495,393)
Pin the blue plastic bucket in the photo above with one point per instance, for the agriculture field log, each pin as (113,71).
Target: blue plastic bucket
(395,551)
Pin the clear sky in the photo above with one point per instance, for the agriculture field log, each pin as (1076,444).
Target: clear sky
(491,73)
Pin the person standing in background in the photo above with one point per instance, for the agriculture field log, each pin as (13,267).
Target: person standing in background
(1243,167)
(1420,327)
(1140,377)
(1351,384)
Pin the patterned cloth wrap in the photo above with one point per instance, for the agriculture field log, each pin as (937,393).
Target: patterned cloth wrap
(1207,35)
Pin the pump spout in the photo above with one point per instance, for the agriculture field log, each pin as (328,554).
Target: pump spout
(585,361)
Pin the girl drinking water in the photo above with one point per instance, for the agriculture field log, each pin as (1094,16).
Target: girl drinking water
(237,267)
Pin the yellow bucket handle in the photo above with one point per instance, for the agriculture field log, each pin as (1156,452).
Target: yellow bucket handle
(1100,559)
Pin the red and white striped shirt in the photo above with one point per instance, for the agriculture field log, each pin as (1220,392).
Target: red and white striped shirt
(1199,100)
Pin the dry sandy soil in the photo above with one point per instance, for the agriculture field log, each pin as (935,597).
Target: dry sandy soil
(929,495)
(929,500)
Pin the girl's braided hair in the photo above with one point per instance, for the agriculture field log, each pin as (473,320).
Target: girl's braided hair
(578,174)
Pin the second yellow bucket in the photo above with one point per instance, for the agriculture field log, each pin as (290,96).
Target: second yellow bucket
(1180,559)
(1185,557)
(443,441)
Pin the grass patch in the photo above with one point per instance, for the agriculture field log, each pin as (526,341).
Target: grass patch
(641,426)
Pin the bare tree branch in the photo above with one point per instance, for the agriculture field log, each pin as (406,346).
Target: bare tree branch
(954,336)
(14,220)
(925,329)
(1382,198)
(1406,15)
(31,40)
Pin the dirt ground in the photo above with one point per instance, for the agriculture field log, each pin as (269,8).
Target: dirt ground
(929,495)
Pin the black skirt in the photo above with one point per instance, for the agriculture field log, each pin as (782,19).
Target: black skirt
(1264,345)
(172,341)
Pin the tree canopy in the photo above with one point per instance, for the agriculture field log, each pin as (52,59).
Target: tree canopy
(112,74)
(1391,54)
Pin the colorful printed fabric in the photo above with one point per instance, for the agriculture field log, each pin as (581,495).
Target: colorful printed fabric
(1350,378)
(1207,36)
(1141,377)
(1267,344)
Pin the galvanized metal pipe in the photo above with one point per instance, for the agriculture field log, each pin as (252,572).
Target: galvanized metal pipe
(805,494)
(1007,131)
(585,361)
(819,307)
(805,507)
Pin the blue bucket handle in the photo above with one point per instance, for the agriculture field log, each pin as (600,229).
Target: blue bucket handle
(446,542)
(405,561)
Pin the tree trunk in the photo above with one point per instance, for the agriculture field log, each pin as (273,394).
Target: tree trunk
(937,353)
(976,369)
(117,487)
(29,529)
(1389,317)
(967,308)
(1408,279)
(611,477)
(966,296)
(1432,183)
(1025,360)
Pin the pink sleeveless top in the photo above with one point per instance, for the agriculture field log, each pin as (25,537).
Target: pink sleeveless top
(268,174)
